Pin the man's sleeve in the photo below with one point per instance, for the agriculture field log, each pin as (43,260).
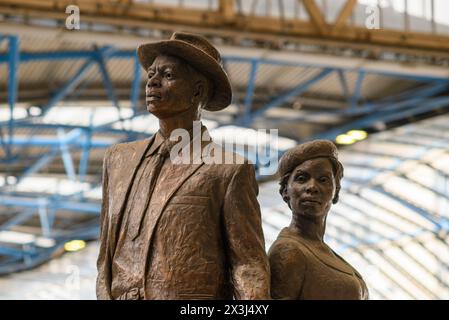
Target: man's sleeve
(103,287)
(246,246)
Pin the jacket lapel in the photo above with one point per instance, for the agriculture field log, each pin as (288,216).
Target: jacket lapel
(125,169)
(190,169)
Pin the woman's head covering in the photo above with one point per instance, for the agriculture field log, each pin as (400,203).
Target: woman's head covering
(307,151)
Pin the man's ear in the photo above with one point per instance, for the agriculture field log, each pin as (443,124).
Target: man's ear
(199,89)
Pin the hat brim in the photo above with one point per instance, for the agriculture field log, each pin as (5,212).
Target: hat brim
(201,61)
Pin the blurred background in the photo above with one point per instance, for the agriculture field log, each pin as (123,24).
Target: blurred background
(372,76)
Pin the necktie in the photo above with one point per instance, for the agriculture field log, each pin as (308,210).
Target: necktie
(145,191)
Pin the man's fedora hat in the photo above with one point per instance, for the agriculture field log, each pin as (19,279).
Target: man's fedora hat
(201,55)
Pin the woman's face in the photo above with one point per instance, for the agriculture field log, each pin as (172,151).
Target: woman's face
(311,188)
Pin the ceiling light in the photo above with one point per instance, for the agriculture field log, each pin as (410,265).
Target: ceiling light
(345,139)
(74,245)
(358,134)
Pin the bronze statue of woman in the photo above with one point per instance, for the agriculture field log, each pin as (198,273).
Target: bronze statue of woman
(302,265)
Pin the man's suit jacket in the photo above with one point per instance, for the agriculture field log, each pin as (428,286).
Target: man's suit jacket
(211,245)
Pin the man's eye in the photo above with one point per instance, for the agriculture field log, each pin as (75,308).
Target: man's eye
(150,75)
(301,178)
(324,179)
(168,75)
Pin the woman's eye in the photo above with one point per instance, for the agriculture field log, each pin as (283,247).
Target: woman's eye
(324,179)
(301,178)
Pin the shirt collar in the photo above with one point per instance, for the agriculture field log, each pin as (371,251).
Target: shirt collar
(158,139)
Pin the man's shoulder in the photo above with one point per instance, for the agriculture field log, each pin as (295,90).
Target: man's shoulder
(226,161)
(125,147)
(227,156)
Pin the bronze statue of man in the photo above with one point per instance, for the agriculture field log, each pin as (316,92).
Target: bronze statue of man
(176,230)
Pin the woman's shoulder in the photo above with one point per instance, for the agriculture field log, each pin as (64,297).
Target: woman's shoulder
(286,246)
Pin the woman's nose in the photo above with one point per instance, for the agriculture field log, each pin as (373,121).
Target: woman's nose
(311,186)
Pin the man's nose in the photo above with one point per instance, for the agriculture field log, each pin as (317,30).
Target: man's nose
(154,81)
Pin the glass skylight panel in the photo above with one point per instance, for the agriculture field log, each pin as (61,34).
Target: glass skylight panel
(414,193)
(400,209)
(442,162)
(361,158)
(439,248)
(275,218)
(387,148)
(415,270)
(399,277)
(355,173)
(389,218)
(424,256)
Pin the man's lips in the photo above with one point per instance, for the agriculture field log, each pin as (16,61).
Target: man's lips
(153,96)
(310,201)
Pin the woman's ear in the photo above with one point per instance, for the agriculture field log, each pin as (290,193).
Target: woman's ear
(285,196)
(336,195)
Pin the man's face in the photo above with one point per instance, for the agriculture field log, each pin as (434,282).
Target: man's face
(170,87)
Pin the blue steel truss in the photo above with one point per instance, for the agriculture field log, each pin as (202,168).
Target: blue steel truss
(68,138)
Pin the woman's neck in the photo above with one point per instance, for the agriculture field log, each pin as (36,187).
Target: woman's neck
(309,228)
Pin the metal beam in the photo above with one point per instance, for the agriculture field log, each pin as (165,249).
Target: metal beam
(13,67)
(296,91)
(316,16)
(30,202)
(100,58)
(39,164)
(17,219)
(84,160)
(386,117)
(434,87)
(246,55)
(226,8)
(417,73)
(68,86)
(51,141)
(250,91)
(357,91)
(344,85)
(65,154)
(154,16)
(404,100)
(344,14)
